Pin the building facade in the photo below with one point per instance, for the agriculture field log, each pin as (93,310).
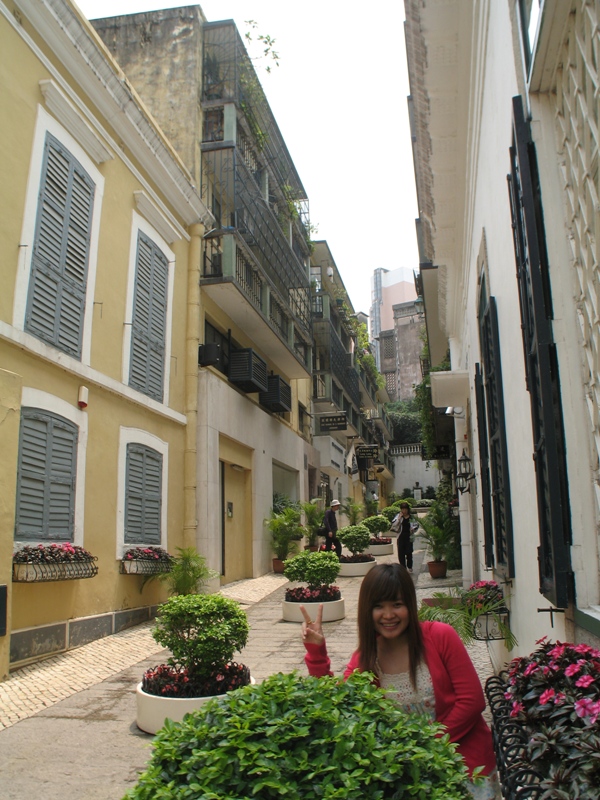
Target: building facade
(505,133)
(101,226)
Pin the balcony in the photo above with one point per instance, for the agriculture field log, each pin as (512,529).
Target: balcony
(256,259)
(381,420)
(333,359)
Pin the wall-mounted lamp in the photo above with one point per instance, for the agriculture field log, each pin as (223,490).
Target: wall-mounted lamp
(464,474)
(420,307)
(455,411)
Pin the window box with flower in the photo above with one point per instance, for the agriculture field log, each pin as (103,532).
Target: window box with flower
(545,713)
(53,562)
(145,561)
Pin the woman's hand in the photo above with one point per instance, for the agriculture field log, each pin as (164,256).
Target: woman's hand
(312,631)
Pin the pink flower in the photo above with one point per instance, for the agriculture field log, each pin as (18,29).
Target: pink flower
(516,709)
(586,707)
(559,699)
(546,696)
(557,651)
(530,669)
(582,648)
(584,681)
(572,669)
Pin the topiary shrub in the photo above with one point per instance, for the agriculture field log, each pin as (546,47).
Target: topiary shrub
(202,631)
(389,512)
(315,569)
(379,523)
(303,739)
(355,537)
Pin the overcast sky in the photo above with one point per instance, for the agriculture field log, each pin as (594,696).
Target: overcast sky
(339,98)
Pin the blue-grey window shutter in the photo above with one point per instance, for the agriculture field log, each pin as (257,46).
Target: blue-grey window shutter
(149,319)
(143,495)
(46,477)
(57,286)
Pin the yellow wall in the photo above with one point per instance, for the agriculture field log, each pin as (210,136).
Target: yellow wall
(10,402)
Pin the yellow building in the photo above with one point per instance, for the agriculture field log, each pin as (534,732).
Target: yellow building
(101,239)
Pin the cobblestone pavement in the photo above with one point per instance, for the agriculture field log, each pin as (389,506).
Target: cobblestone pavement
(67,724)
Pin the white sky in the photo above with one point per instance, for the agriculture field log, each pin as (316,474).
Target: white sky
(339,98)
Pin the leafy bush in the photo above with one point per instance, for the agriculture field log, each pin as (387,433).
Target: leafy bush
(303,739)
(315,569)
(380,523)
(351,510)
(202,631)
(313,517)
(286,531)
(188,573)
(147,554)
(389,512)
(355,537)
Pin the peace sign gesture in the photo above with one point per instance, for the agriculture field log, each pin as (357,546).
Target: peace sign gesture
(312,632)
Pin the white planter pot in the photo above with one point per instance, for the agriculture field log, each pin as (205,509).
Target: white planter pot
(356,570)
(381,549)
(332,610)
(152,710)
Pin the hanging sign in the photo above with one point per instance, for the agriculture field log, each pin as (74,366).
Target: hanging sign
(367,451)
(333,422)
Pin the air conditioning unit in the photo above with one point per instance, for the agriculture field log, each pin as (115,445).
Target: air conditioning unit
(209,354)
(278,396)
(248,371)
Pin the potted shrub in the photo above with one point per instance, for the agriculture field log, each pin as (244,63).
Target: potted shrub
(437,532)
(552,699)
(313,522)
(318,571)
(303,739)
(380,545)
(286,532)
(351,511)
(188,573)
(202,631)
(53,562)
(355,538)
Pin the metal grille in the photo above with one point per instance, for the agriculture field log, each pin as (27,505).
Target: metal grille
(248,278)
(577,115)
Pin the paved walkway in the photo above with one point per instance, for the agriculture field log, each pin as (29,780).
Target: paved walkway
(67,729)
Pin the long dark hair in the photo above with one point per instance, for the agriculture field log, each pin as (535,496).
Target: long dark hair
(388,582)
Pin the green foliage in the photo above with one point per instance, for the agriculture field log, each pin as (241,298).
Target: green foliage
(439,531)
(371,507)
(286,531)
(380,523)
(351,510)
(303,738)
(188,573)
(355,537)
(456,609)
(444,493)
(313,520)
(282,501)
(315,569)
(202,631)
(406,421)
(389,512)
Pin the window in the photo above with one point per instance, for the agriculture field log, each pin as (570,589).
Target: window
(148,326)
(61,250)
(143,495)
(541,364)
(45,508)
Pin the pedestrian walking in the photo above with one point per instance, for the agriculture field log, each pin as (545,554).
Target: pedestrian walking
(330,524)
(423,666)
(401,524)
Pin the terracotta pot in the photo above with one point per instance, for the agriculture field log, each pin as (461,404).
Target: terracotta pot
(278,566)
(437,569)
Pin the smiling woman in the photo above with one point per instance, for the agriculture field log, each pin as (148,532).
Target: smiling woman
(424,667)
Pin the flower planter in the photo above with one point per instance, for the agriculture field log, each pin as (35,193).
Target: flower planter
(138,566)
(278,566)
(486,627)
(332,610)
(381,549)
(152,710)
(355,569)
(55,571)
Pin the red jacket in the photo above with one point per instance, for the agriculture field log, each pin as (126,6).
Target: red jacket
(459,700)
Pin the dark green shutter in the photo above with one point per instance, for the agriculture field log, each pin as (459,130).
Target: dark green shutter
(57,287)
(46,477)
(143,495)
(149,319)
(484,468)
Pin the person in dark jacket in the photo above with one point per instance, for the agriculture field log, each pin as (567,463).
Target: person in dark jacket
(401,524)
(331,526)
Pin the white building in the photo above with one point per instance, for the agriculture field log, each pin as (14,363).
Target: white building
(505,128)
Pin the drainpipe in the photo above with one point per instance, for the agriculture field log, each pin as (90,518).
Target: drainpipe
(190,466)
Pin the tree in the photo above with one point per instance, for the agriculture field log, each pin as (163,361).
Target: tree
(406,421)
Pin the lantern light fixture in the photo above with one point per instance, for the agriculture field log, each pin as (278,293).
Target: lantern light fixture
(464,474)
